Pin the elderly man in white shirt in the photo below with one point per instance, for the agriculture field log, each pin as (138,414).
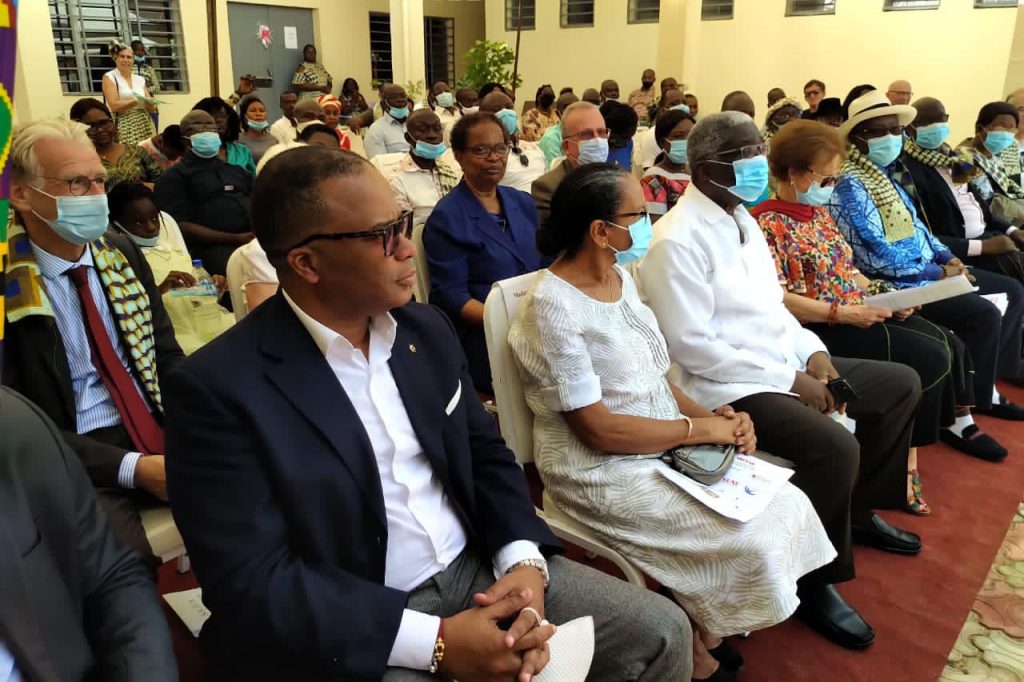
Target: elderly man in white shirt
(425,175)
(526,162)
(711,280)
(387,134)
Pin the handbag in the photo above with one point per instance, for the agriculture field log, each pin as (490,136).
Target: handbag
(705,464)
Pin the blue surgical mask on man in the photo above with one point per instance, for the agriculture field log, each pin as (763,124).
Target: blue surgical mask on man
(593,151)
(751,177)
(428,151)
(883,150)
(998,141)
(509,120)
(680,107)
(932,136)
(816,195)
(398,113)
(641,232)
(445,99)
(140,59)
(677,152)
(205,145)
(79,220)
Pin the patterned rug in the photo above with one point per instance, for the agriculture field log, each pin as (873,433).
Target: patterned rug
(990,647)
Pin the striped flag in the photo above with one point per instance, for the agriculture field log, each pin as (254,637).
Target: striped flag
(8,54)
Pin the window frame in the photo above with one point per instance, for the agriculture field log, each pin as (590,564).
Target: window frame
(994,4)
(564,13)
(529,16)
(449,24)
(822,12)
(376,71)
(633,10)
(715,5)
(887,6)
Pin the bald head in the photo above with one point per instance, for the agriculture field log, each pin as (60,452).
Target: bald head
(308,110)
(564,100)
(929,111)
(591,95)
(197,121)
(899,92)
(495,101)
(739,101)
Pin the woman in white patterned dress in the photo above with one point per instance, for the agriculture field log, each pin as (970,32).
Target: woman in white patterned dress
(594,366)
(128,98)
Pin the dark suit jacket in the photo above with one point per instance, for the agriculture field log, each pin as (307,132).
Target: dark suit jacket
(75,604)
(275,488)
(936,204)
(543,188)
(36,364)
(467,253)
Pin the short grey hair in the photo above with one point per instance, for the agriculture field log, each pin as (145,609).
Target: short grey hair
(24,163)
(574,108)
(708,137)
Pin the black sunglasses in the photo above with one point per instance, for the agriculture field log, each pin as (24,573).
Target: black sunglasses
(389,235)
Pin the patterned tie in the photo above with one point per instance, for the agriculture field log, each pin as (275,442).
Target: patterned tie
(143,429)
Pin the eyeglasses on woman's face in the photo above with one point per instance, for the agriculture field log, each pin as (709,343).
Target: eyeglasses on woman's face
(484,151)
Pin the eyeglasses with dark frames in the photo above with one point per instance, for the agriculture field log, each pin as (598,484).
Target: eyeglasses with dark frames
(483,151)
(826,180)
(880,131)
(389,235)
(749,151)
(80,185)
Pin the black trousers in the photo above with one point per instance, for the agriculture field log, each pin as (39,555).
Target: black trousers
(844,476)
(994,341)
(937,355)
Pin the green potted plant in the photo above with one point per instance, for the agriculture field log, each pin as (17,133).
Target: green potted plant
(489,61)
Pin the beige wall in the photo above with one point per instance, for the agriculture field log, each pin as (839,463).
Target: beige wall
(1015,69)
(341,30)
(578,57)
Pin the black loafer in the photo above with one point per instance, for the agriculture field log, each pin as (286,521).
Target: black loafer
(825,611)
(881,535)
(975,443)
(1004,410)
(727,655)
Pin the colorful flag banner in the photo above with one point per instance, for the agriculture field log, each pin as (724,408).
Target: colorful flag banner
(8,54)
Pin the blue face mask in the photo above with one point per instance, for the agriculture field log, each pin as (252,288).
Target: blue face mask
(258,126)
(816,195)
(205,145)
(445,99)
(79,220)
(144,242)
(883,150)
(677,152)
(751,177)
(593,151)
(997,141)
(399,113)
(140,59)
(680,107)
(641,232)
(932,137)
(428,151)
(509,120)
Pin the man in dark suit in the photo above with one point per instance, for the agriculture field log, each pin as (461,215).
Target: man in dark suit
(584,135)
(87,338)
(346,501)
(75,603)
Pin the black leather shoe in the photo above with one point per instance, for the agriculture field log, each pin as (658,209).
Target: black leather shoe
(881,535)
(727,655)
(975,443)
(1004,409)
(825,611)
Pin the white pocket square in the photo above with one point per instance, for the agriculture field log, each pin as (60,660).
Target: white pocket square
(455,399)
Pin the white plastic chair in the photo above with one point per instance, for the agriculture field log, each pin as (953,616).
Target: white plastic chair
(163,536)
(422,273)
(233,272)
(516,419)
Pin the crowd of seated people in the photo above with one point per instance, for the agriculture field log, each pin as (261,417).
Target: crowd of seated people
(699,281)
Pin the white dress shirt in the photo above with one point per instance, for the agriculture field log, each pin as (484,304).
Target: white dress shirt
(424,532)
(283,130)
(449,117)
(645,149)
(418,189)
(719,304)
(974,218)
(520,177)
(385,136)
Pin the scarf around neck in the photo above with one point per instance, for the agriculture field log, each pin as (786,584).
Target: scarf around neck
(996,171)
(960,164)
(897,221)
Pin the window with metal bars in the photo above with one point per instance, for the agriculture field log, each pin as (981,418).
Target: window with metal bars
(576,13)
(380,47)
(801,8)
(716,9)
(890,5)
(644,11)
(439,49)
(83,29)
(529,14)
(983,4)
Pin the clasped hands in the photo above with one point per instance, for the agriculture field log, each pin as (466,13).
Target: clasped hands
(477,649)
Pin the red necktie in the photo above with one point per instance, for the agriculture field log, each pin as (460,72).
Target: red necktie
(143,429)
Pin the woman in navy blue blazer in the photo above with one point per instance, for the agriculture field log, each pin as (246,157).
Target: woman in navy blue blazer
(478,234)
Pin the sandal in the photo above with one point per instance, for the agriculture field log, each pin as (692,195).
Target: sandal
(915,499)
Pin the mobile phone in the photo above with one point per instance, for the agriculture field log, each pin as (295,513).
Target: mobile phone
(842,391)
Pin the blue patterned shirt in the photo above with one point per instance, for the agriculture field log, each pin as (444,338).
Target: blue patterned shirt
(905,263)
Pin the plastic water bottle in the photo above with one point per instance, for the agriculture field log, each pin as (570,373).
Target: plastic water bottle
(204,282)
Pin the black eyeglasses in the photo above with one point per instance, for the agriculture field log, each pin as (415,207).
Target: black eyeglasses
(105,124)
(872,133)
(389,235)
(483,151)
(827,180)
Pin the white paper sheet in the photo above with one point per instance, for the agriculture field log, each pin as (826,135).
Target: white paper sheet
(291,38)
(572,652)
(744,491)
(188,604)
(929,293)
